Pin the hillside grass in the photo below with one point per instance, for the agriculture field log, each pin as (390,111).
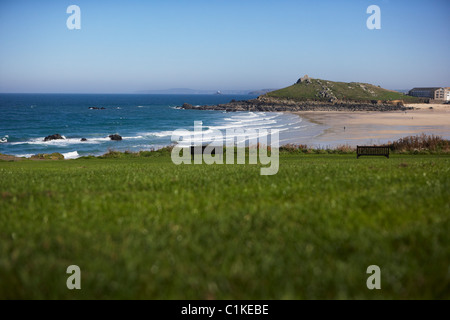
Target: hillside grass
(141,227)
(352,91)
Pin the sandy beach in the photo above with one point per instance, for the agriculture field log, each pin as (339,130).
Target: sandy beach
(357,128)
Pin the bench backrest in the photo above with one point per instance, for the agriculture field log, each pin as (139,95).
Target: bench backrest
(372,151)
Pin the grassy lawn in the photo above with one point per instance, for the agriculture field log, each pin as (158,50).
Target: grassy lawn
(145,228)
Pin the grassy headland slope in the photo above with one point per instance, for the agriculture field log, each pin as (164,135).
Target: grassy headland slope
(328,91)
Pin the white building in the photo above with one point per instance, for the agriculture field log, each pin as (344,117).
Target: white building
(436,93)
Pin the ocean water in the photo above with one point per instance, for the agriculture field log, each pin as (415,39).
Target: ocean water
(144,121)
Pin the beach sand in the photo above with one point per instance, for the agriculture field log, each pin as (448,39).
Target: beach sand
(368,128)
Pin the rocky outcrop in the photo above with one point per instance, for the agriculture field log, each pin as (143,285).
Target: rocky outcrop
(46,156)
(83,140)
(304,79)
(115,137)
(270,104)
(97,108)
(54,137)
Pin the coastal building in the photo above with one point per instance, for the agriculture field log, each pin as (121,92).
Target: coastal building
(436,93)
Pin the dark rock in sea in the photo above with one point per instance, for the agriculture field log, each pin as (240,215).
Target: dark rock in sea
(83,139)
(115,137)
(54,137)
(187,106)
(97,108)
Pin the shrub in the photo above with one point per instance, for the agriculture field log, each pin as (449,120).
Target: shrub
(46,156)
(420,143)
(111,154)
(344,149)
(293,148)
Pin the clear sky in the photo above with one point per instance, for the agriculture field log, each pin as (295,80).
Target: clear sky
(127,46)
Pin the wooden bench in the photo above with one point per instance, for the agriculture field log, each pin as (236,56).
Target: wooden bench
(372,151)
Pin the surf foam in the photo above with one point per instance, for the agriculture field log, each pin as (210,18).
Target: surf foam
(71,155)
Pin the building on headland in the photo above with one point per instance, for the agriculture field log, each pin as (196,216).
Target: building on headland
(436,93)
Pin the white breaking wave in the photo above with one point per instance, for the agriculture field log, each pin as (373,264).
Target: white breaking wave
(62,142)
(159,134)
(239,121)
(27,155)
(301,127)
(67,155)
(71,155)
(256,121)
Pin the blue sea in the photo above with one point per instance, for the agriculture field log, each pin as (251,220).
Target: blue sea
(144,121)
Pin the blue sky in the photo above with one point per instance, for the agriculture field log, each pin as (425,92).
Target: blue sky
(127,46)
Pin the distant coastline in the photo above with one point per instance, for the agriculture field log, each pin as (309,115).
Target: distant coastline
(187,91)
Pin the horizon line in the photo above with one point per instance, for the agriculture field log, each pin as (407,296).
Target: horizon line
(130,93)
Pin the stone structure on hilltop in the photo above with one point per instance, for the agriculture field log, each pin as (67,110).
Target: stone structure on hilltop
(304,79)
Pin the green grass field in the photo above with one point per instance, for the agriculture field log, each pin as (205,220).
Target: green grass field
(143,228)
